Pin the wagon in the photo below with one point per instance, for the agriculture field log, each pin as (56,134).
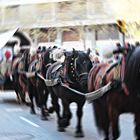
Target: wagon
(10,42)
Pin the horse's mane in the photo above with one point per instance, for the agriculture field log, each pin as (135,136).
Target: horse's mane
(132,72)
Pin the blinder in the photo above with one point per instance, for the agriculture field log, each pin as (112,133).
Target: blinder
(78,77)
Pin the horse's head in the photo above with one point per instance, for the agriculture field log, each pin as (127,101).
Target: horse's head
(47,57)
(77,65)
(51,55)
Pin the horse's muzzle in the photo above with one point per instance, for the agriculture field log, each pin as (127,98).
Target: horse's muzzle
(83,81)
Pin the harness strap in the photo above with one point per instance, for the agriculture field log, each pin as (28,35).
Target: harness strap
(108,70)
(123,69)
(91,95)
(118,74)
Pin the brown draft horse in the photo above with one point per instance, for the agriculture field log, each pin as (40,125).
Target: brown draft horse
(20,65)
(37,88)
(122,99)
(34,66)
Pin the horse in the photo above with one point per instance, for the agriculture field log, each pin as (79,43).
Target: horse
(37,87)
(10,66)
(124,96)
(19,67)
(18,43)
(34,66)
(61,78)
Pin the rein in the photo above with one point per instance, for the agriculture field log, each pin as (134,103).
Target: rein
(89,95)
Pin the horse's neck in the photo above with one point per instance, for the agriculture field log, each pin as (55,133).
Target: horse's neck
(69,74)
(15,63)
(33,57)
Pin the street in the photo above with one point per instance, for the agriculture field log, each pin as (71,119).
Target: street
(16,123)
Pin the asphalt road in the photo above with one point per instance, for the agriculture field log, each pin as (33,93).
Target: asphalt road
(16,123)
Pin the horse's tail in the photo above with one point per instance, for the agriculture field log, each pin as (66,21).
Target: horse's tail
(101,114)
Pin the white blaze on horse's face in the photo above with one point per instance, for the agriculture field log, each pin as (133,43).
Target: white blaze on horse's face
(33,50)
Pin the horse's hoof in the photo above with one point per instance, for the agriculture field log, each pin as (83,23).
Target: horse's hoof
(28,104)
(19,102)
(106,138)
(79,135)
(51,110)
(44,118)
(64,122)
(61,129)
(32,112)
(46,113)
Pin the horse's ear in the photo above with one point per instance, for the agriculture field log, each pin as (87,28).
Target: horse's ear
(75,52)
(54,47)
(65,53)
(88,51)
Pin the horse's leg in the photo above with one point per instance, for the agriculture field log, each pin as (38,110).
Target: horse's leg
(56,108)
(37,90)
(101,116)
(114,120)
(21,93)
(137,125)
(43,96)
(22,88)
(37,97)
(79,131)
(67,115)
(18,97)
(50,109)
(15,86)
(31,95)
(17,93)
(43,99)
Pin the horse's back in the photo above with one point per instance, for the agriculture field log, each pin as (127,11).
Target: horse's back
(96,75)
(92,76)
